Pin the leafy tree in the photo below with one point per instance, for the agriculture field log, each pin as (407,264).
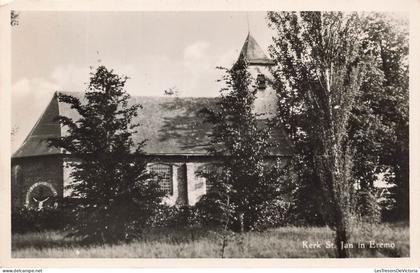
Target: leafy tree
(243,183)
(307,202)
(319,75)
(112,191)
(379,122)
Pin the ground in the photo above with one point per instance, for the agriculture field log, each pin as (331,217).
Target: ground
(283,242)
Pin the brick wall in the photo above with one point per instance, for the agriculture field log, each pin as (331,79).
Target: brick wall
(28,171)
(188,187)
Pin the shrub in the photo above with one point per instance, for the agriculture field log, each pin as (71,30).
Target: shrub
(367,207)
(174,217)
(273,214)
(34,220)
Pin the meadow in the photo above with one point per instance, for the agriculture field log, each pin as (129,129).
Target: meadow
(282,242)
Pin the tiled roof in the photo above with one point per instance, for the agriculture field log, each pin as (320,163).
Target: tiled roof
(172,126)
(253,53)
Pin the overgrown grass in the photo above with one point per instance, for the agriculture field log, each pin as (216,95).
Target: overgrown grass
(284,242)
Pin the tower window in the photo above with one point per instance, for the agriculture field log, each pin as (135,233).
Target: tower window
(163,175)
(261,81)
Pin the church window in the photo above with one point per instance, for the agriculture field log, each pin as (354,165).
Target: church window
(163,175)
(41,195)
(261,81)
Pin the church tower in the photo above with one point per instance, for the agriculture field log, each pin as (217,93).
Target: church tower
(259,67)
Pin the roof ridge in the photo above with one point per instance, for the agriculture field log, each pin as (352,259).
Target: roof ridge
(142,96)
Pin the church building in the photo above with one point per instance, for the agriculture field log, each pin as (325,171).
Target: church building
(176,149)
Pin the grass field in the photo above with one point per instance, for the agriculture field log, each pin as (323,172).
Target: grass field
(284,242)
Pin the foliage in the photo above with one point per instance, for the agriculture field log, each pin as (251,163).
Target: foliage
(33,220)
(367,207)
(306,198)
(387,202)
(174,217)
(273,214)
(378,123)
(244,180)
(319,74)
(115,195)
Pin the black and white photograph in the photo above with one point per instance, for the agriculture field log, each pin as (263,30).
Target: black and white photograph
(209,134)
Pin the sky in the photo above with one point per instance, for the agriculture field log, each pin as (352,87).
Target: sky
(53,51)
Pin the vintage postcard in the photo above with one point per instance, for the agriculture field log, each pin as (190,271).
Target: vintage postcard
(142,132)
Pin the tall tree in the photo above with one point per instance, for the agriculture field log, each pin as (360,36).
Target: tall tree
(379,124)
(319,74)
(112,190)
(245,183)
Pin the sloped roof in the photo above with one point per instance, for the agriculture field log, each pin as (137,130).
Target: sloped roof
(253,53)
(44,128)
(171,125)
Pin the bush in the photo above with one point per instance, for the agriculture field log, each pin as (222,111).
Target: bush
(269,214)
(273,214)
(34,220)
(367,207)
(212,212)
(174,217)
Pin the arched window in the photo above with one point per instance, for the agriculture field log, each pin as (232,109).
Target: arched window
(163,174)
(41,195)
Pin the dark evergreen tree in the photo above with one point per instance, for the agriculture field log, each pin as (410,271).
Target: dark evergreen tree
(112,192)
(244,182)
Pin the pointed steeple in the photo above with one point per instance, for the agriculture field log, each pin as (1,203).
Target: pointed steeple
(253,53)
